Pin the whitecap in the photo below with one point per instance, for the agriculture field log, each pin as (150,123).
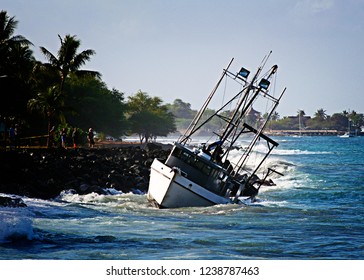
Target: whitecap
(282,152)
(15,224)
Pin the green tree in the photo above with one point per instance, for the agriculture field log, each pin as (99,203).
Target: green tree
(8,41)
(320,120)
(181,109)
(301,113)
(50,104)
(301,118)
(253,117)
(148,117)
(356,120)
(91,104)
(16,63)
(275,116)
(338,121)
(320,114)
(68,60)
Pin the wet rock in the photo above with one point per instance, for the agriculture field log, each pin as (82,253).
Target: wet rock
(86,189)
(45,173)
(83,188)
(11,202)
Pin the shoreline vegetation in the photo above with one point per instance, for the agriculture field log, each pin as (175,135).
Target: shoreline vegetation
(45,100)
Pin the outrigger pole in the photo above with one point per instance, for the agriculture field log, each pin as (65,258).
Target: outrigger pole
(271,141)
(236,120)
(191,129)
(271,145)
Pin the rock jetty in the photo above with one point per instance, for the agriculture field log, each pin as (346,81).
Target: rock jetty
(45,173)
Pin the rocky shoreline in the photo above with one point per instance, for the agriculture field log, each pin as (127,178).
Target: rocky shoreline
(45,173)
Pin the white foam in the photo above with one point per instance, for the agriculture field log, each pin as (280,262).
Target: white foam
(15,224)
(267,203)
(298,152)
(70,196)
(116,200)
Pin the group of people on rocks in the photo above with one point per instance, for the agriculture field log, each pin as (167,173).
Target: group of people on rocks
(14,136)
(10,134)
(74,138)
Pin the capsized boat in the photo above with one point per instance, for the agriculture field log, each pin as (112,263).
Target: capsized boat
(220,171)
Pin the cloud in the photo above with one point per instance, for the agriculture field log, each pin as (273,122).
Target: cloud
(318,6)
(313,7)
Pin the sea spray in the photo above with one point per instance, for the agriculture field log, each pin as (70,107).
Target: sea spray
(15,224)
(313,212)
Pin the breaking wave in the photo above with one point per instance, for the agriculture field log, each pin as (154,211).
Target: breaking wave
(15,224)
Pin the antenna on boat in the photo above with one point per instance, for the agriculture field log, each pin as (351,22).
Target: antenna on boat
(265,59)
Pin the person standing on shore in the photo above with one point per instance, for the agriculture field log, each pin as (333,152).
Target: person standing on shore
(74,137)
(63,138)
(51,138)
(12,137)
(90,137)
(17,133)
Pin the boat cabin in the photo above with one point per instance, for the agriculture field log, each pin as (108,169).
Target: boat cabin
(198,167)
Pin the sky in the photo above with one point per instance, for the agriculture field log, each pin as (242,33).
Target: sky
(178,48)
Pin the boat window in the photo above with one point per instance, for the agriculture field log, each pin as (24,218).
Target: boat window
(206,169)
(193,160)
(184,156)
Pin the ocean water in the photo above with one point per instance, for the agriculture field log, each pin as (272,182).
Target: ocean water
(315,211)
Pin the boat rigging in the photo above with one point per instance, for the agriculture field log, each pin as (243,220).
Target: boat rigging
(209,174)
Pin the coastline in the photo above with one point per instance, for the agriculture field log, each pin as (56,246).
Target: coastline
(45,173)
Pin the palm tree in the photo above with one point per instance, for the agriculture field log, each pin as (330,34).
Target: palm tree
(275,116)
(68,60)
(49,103)
(321,114)
(16,63)
(8,40)
(300,115)
(7,29)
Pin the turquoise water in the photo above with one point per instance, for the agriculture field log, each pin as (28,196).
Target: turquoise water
(314,212)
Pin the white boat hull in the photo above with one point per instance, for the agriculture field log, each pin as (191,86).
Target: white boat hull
(346,135)
(168,188)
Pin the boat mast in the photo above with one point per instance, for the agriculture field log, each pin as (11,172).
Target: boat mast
(235,120)
(191,129)
(237,117)
(245,156)
(270,143)
(259,134)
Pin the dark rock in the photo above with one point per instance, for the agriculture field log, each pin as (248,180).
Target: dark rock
(11,202)
(45,173)
(83,188)
(97,189)
(153,147)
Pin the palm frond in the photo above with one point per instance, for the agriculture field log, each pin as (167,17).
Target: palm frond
(51,58)
(81,58)
(7,26)
(83,73)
